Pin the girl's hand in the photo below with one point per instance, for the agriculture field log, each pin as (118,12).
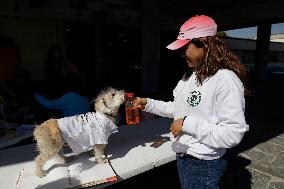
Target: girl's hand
(176,127)
(140,102)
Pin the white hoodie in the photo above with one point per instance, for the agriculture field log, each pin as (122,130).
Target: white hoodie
(215,114)
(82,132)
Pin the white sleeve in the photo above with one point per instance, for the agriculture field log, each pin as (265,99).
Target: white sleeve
(231,126)
(161,108)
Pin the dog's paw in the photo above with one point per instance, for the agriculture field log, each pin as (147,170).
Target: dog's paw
(102,160)
(41,174)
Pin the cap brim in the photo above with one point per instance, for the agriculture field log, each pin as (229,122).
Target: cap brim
(177,44)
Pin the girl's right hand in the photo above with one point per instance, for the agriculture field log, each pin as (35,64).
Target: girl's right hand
(140,102)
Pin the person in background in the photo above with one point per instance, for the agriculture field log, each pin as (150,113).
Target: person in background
(208,106)
(56,68)
(53,65)
(71,102)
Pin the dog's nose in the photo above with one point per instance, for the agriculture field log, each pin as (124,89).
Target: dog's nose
(123,92)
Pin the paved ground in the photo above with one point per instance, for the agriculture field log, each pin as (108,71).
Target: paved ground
(261,166)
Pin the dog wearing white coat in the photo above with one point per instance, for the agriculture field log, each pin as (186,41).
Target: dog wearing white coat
(81,132)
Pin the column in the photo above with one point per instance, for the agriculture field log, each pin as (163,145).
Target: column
(150,46)
(99,51)
(262,51)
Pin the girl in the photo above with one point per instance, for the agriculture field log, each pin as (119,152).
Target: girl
(208,106)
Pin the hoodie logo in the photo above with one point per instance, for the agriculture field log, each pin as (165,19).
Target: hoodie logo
(194,98)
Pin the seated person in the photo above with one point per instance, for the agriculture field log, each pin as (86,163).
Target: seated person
(71,102)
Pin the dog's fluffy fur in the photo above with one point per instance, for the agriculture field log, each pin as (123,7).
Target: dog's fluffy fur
(50,140)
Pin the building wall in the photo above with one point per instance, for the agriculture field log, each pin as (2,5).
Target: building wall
(245,49)
(33,39)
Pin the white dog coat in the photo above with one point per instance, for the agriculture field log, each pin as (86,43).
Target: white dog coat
(82,132)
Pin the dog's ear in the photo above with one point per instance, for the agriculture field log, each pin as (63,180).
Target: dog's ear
(102,106)
(107,108)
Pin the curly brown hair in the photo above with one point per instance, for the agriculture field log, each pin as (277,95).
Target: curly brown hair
(218,55)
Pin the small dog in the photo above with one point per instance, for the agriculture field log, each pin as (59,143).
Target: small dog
(81,132)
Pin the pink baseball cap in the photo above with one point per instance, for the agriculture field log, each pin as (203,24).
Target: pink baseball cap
(195,27)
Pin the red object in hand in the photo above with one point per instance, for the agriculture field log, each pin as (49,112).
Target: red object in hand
(132,113)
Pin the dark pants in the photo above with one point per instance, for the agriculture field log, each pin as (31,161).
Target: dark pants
(197,174)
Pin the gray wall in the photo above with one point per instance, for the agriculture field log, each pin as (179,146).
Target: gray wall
(33,39)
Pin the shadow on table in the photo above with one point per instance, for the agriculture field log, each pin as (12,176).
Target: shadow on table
(60,183)
(130,137)
(165,175)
